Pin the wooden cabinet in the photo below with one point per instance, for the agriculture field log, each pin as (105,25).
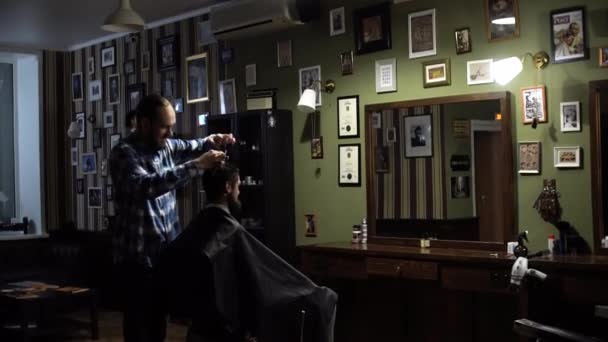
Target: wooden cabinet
(264,155)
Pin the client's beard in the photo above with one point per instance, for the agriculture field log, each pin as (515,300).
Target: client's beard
(235,208)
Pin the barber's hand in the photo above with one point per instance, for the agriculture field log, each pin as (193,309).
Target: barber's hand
(222,139)
(210,159)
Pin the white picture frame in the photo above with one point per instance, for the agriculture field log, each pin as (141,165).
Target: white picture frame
(95,90)
(386,75)
(250,75)
(567,157)
(337,22)
(480,72)
(307,78)
(81,120)
(570,115)
(88,161)
(108,119)
(529,156)
(422,34)
(108,56)
(94,197)
(227,96)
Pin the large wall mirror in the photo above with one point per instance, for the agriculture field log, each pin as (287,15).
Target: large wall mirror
(598,122)
(442,168)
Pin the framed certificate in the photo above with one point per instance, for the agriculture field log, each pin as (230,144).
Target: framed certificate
(348,117)
(349,165)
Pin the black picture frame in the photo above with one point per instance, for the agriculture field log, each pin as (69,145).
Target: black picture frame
(316,148)
(131,89)
(340,118)
(167,52)
(367,37)
(420,143)
(557,19)
(97,136)
(462,39)
(342,183)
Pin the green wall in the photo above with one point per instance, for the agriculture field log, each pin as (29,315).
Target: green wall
(337,209)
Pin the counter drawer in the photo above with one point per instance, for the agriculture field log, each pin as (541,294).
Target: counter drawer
(409,269)
(475,279)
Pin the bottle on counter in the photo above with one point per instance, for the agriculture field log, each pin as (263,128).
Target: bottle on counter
(364,230)
(356,233)
(551,243)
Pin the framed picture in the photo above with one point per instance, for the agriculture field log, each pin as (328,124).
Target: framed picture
(82,125)
(372,28)
(74,154)
(197,89)
(108,56)
(564,157)
(250,75)
(316,148)
(178,105)
(104,168)
(418,136)
(97,132)
(108,119)
(337,22)
(568,35)
(284,53)
(145,61)
(202,119)
(227,55)
(113,90)
(77,94)
(346,63)
(135,92)
(308,76)
(129,67)
(88,163)
(376,120)
(386,75)
(534,104)
(460,187)
(421,33)
(91,65)
(348,117)
(94,197)
(479,72)
(80,186)
(462,38)
(168,53)
(114,140)
(603,57)
(502,19)
(94,90)
(436,73)
(109,192)
(167,84)
(381,159)
(227,96)
(570,113)
(529,157)
(205,34)
(311,225)
(391,135)
(349,165)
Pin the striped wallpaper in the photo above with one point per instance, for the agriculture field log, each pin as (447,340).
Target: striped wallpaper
(413,188)
(63,203)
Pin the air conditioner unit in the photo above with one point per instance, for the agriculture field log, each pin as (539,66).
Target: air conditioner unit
(244,18)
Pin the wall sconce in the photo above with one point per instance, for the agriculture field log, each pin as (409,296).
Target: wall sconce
(309,96)
(507,69)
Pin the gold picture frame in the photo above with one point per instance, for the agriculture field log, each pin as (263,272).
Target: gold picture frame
(196,74)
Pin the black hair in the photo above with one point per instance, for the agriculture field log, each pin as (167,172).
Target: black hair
(129,118)
(214,180)
(148,107)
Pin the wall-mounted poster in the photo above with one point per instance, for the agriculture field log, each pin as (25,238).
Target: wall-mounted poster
(568,35)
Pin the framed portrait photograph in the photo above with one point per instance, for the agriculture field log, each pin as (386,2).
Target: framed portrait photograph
(91,65)
(570,113)
(460,186)
(311,225)
(167,84)
(391,135)
(502,19)
(197,71)
(316,148)
(94,90)
(381,159)
(479,72)
(376,120)
(307,79)
(113,85)
(88,162)
(135,92)
(227,96)
(77,93)
(108,119)
(178,105)
(436,73)
(421,33)
(567,157)
(346,63)
(529,157)
(337,22)
(80,186)
(349,165)
(348,117)
(284,54)
(97,133)
(94,197)
(534,104)
(250,75)
(168,52)
(462,38)
(386,75)
(82,125)
(603,57)
(129,67)
(372,26)
(114,140)
(418,136)
(145,61)
(568,35)
(74,155)
(108,56)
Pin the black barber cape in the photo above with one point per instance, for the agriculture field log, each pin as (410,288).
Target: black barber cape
(230,284)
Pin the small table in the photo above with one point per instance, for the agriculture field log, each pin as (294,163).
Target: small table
(29,301)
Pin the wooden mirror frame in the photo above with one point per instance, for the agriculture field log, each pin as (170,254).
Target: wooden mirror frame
(597,196)
(509,185)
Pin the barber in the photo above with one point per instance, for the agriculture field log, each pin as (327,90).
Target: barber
(146,167)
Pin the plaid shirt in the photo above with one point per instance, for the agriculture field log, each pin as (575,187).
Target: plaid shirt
(144,182)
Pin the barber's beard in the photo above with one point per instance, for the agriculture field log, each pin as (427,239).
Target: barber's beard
(235,208)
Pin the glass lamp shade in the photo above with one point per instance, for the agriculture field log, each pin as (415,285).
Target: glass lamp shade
(307,101)
(506,69)
(123,19)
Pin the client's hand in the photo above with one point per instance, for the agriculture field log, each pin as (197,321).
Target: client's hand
(210,159)
(222,139)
